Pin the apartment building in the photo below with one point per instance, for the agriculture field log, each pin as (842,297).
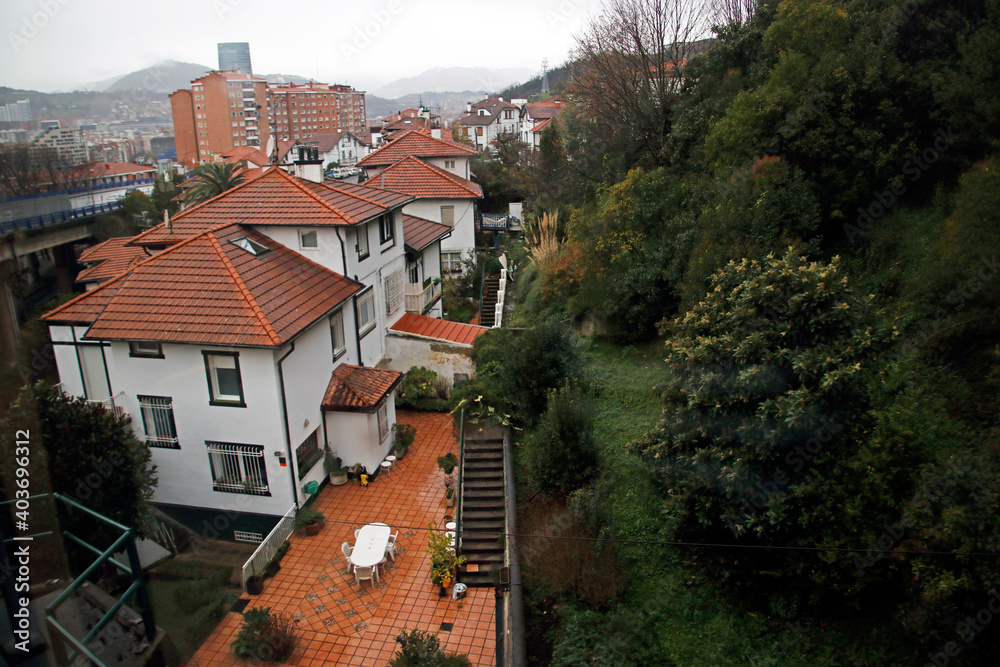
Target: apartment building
(221,111)
(302,111)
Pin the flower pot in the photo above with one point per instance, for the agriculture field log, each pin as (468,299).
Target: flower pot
(255,585)
(336,479)
(272,569)
(449,499)
(314,528)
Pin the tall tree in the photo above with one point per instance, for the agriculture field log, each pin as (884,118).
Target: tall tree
(629,68)
(210,180)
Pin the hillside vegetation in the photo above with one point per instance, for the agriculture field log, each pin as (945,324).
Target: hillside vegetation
(793,251)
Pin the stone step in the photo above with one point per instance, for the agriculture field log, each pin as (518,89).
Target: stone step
(485,504)
(483,514)
(477,473)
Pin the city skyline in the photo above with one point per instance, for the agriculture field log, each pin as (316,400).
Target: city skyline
(366,46)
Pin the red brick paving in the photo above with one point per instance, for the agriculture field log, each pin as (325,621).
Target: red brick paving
(340,625)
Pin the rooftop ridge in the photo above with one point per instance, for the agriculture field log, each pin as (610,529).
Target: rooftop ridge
(356,196)
(457,180)
(294,181)
(258,313)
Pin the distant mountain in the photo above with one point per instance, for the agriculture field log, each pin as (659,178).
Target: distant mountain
(163,77)
(448,105)
(442,79)
(285,78)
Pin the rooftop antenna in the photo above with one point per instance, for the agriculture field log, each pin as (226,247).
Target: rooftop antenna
(545,76)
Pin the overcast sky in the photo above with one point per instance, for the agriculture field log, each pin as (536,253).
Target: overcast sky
(55,45)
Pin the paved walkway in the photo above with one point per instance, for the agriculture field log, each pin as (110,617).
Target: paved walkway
(343,624)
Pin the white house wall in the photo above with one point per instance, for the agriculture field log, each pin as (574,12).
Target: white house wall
(463,234)
(185,474)
(328,254)
(461,165)
(354,436)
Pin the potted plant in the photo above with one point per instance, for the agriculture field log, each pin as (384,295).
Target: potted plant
(443,559)
(274,565)
(335,468)
(405,434)
(447,463)
(354,471)
(449,494)
(310,519)
(255,583)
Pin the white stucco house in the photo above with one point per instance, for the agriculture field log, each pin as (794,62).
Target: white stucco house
(341,148)
(487,120)
(249,341)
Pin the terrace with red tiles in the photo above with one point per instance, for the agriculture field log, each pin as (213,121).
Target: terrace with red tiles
(342,623)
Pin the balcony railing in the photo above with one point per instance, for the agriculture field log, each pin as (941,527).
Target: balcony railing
(115,404)
(419,299)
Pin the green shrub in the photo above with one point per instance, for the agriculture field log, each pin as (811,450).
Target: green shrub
(417,384)
(423,649)
(561,451)
(215,575)
(265,636)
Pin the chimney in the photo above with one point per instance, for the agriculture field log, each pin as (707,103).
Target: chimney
(436,132)
(309,166)
(468,107)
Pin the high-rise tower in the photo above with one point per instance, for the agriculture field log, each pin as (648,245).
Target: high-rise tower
(235,55)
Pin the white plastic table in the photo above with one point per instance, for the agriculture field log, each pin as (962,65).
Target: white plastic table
(369,547)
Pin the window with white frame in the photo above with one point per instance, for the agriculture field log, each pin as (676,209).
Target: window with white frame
(158,421)
(383,420)
(451,262)
(366,312)
(308,238)
(386,228)
(308,454)
(362,244)
(225,385)
(393,292)
(238,468)
(141,348)
(337,333)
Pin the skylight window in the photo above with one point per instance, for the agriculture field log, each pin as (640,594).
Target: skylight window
(250,246)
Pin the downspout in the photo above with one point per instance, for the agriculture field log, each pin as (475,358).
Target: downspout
(357,336)
(79,364)
(288,433)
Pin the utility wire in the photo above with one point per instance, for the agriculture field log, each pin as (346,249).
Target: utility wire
(676,543)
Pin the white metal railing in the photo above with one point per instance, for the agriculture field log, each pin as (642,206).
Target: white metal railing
(115,404)
(501,295)
(256,563)
(418,298)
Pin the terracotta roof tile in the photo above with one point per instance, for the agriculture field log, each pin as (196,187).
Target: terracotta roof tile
(277,198)
(411,142)
(419,233)
(541,126)
(359,388)
(109,259)
(102,169)
(431,327)
(208,290)
(424,181)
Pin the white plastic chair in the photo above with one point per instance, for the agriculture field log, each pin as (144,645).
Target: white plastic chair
(347,549)
(390,548)
(369,573)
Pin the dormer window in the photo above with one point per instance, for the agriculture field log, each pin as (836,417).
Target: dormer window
(250,246)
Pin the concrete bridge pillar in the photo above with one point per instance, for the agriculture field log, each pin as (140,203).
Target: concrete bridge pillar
(9,309)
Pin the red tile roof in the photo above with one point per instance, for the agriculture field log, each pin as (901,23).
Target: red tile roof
(411,142)
(419,233)
(431,327)
(109,258)
(251,154)
(104,169)
(541,126)
(547,109)
(359,388)
(208,290)
(277,198)
(424,181)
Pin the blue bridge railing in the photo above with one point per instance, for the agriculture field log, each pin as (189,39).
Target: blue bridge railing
(50,219)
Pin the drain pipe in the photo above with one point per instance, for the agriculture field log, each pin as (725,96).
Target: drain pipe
(288,433)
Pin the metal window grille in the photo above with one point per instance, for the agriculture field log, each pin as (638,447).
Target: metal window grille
(158,421)
(243,536)
(393,292)
(238,468)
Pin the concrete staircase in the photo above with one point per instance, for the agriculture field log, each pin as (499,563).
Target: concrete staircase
(487,309)
(482,517)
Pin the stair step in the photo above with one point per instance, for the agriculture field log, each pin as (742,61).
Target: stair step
(479,474)
(481,514)
(483,504)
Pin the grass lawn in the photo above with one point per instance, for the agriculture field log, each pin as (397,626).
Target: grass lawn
(188,607)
